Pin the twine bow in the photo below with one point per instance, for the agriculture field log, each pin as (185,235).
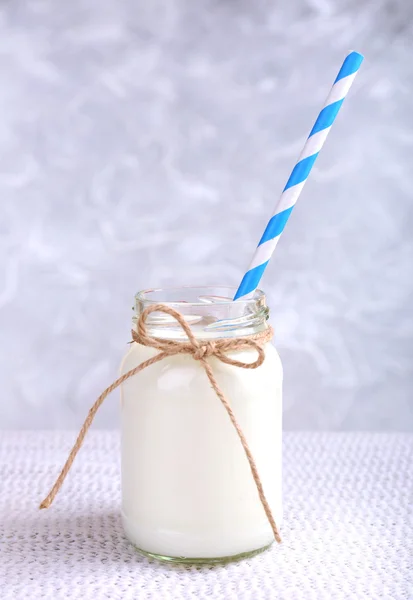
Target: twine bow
(200,350)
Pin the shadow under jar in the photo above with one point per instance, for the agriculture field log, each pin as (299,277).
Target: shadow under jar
(188,494)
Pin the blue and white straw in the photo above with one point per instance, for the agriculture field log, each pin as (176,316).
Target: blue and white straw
(299,175)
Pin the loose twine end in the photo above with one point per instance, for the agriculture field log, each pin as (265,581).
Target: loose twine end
(200,351)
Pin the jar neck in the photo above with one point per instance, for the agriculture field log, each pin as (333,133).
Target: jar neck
(209,311)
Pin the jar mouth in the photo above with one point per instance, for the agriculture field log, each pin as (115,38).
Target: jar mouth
(218,294)
(209,310)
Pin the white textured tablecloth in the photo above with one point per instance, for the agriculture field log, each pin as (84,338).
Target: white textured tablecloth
(347,534)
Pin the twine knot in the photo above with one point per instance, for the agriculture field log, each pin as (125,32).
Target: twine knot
(204,351)
(200,351)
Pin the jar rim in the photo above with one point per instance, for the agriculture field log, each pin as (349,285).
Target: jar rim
(209,310)
(144,295)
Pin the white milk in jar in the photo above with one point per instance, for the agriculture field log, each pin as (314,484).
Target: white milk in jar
(187,489)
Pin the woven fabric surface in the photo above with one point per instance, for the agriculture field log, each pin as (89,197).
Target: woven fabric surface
(347,531)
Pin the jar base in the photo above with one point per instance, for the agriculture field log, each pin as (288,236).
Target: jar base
(202,561)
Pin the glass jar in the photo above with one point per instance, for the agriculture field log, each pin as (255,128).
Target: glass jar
(188,494)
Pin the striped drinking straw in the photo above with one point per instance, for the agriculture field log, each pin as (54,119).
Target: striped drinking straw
(300,174)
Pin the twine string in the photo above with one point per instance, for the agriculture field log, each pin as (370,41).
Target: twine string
(200,350)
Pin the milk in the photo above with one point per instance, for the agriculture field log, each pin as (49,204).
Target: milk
(187,488)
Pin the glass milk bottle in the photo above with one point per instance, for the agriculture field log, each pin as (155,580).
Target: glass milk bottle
(188,494)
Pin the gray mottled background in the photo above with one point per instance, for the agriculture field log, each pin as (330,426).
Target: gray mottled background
(145,143)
